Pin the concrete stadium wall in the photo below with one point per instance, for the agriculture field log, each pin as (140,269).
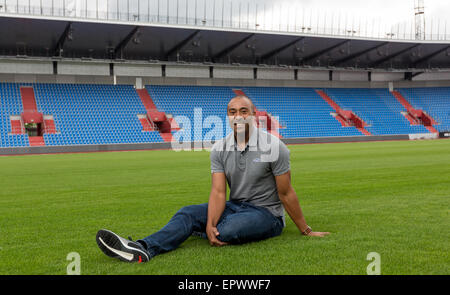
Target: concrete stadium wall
(167,145)
(26,67)
(185,71)
(104,72)
(281,83)
(83,68)
(130,70)
(414,83)
(275,74)
(313,75)
(233,72)
(69,79)
(350,76)
(432,76)
(130,80)
(387,76)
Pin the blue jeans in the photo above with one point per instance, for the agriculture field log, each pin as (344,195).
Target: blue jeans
(239,223)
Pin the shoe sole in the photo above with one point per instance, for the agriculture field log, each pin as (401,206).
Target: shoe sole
(117,247)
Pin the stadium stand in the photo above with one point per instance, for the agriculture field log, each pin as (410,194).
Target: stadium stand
(434,100)
(415,116)
(347,118)
(10,105)
(155,120)
(78,114)
(377,107)
(301,110)
(83,114)
(94,114)
(183,100)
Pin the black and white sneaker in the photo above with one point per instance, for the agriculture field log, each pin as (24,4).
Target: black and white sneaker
(115,246)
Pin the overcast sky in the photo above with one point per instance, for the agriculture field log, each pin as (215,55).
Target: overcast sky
(390,9)
(381,14)
(365,15)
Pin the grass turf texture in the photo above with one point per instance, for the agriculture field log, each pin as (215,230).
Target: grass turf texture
(387,197)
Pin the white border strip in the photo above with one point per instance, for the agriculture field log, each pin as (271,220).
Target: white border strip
(417,136)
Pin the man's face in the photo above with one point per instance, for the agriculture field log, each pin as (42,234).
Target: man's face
(240,114)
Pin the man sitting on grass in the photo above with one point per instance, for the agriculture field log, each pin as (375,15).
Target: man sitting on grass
(256,166)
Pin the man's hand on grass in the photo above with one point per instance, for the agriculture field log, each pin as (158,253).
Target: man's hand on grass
(318,234)
(212,234)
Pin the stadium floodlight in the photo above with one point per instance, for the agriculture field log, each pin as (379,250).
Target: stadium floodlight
(419,19)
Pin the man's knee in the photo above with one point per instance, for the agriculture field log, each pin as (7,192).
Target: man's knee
(229,233)
(239,230)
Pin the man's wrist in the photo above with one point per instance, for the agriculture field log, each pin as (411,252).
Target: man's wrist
(210,225)
(307,231)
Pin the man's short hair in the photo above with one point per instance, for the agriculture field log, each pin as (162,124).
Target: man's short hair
(252,105)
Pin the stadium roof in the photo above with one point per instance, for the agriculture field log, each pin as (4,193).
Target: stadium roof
(38,37)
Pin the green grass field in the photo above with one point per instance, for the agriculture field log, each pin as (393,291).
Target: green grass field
(385,197)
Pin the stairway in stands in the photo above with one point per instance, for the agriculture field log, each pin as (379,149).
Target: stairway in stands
(415,116)
(345,117)
(154,119)
(31,114)
(263,118)
(16,125)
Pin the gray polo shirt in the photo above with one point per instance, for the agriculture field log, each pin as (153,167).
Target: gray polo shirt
(250,173)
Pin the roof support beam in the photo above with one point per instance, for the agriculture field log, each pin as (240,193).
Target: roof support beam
(57,50)
(280,49)
(121,46)
(232,47)
(322,52)
(180,45)
(429,56)
(391,56)
(357,54)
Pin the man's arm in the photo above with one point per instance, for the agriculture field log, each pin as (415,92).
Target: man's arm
(216,206)
(290,202)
